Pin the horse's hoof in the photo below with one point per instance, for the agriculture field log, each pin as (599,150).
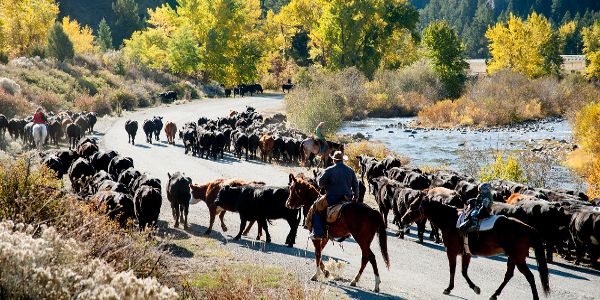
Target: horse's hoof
(493,297)
(326,273)
(237,237)
(477,290)
(446,292)
(353,283)
(207,232)
(315,277)
(268,241)
(224,229)
(376,290)
(176,225)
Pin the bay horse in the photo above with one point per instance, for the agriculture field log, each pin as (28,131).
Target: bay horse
(356,219)
(310,148)
(509,236)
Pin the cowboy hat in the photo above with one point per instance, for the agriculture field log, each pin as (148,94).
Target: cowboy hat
(339,155)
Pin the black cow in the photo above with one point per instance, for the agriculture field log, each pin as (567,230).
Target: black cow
(67,157)
(466,190)
(158,126)
(403,199)
(55,164)
(73,134)
(416,181)
(188,135)
(117,206)
(119,164)
(101,159)
(80,172)
(131,127)
(240,141)
(98,179)
(168,96)
(253,144)
(179,194)
(110,185)
(92,119)
(384,190)
(584,229)
(148,127)
(145,180)
(147,202)
(363,162)
(128,177)
(287,87)
(260,203)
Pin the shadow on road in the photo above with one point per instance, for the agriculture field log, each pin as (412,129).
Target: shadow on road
(142,146)
(360,293)
(551,270)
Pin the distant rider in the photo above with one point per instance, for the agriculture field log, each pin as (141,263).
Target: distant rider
(319,136)
(479,208)
(340,184)
(39,117)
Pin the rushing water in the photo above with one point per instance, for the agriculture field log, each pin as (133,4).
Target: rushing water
(440,147)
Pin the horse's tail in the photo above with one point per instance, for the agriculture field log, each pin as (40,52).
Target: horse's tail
(540,257)
(382,234)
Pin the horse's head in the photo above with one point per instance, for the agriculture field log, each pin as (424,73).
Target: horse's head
(416,210)
(302,193)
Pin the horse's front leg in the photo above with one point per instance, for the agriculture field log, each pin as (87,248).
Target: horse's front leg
(465,260)
(452,263)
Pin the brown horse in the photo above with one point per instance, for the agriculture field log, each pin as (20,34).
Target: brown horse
(310,147)
(357,219)
(509,236)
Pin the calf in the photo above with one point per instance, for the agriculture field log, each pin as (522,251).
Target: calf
(178,193)
(147,202)
(117,206)
(131,127)
(79,174)
(260,203)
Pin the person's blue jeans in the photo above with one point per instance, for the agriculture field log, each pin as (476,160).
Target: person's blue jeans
(318,219)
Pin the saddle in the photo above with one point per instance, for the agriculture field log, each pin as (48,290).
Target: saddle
(333,212)
(485,224)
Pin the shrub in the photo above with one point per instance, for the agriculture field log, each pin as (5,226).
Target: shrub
(504,168)
(98,104)
(122,99)
(587,127)
(377,150)
(9,86)
(593,178)
(40,263)
(307,106)
(13,105)
(49,101)
(185,90)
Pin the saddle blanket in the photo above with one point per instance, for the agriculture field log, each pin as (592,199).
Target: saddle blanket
(333,212)
(484,224)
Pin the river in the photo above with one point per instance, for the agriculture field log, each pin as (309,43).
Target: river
(445,147)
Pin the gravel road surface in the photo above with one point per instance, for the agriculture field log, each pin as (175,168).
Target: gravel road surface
(417,271)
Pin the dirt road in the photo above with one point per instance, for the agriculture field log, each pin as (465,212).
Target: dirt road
(417,271)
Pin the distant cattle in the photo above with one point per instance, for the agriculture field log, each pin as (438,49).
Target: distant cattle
(158,126)
(170,132)
(148,127)
(168,96)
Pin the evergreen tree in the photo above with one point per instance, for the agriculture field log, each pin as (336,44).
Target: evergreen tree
(127,19)
(59,45)
(104,36)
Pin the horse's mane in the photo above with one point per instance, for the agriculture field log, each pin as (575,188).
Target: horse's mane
(307,184)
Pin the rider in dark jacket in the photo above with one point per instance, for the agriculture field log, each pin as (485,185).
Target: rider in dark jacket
(340,184)
(479,208)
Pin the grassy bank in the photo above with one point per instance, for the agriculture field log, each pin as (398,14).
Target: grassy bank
(91,82)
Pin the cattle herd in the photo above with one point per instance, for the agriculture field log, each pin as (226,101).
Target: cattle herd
(66,124)
(568,221)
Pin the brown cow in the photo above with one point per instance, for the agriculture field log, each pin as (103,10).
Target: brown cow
(516,197)
(65,123)
(208,193)
(266,143)
(170,132)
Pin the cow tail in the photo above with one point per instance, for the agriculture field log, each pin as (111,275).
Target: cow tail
(540,257)
(382,234)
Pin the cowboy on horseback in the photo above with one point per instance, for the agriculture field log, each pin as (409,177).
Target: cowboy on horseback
(340,184)
(319,138)
(479,208)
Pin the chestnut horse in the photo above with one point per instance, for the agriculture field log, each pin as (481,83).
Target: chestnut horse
(310,148)
(509,236)
(356,219)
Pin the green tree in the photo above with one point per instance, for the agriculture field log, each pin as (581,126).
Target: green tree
(446,52)
(591,49)
(59,45)
(104,39)
(127,19)
(183,52)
